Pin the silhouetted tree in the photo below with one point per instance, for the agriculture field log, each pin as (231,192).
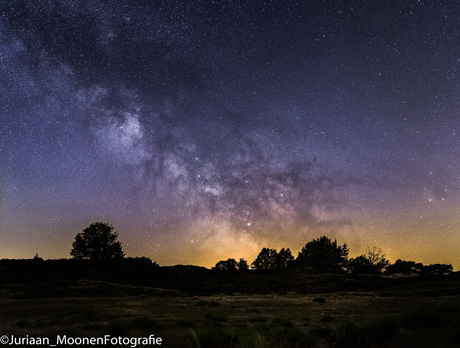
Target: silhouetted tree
(322,255)
(243,265)
(140,261)
(438,268)
(284,258)
(228,266)
(266,260)
(97,242)
(372,262)
(401,266)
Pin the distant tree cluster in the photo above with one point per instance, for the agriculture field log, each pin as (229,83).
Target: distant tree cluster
(322,255)
(270,259)
(410,267)
(99,241)
(231,265)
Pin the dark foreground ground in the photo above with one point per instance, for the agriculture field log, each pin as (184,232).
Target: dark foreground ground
(192,307)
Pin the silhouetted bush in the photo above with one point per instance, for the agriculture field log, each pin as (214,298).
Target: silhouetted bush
(437,268)
(406,267)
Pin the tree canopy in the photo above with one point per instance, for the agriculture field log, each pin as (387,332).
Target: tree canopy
(266,260)
(373,261)
(284,258)
(231,265)
(407,267)
(270,259)
(98,241)
(323,254)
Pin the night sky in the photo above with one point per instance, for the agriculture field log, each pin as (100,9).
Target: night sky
(206,130)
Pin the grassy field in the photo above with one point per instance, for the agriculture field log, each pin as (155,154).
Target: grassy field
(420,315)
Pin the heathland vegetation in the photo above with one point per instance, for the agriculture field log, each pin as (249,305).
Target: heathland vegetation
(321,298)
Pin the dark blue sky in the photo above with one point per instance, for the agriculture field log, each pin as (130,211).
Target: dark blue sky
(206,130)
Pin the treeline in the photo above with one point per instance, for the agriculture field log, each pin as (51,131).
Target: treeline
(129,269)
(99,241)
(322,255)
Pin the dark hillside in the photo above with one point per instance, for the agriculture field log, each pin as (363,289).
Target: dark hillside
(60,278)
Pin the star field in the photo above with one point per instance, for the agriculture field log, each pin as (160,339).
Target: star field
(204,130)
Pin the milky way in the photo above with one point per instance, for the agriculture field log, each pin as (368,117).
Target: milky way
(207,130)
